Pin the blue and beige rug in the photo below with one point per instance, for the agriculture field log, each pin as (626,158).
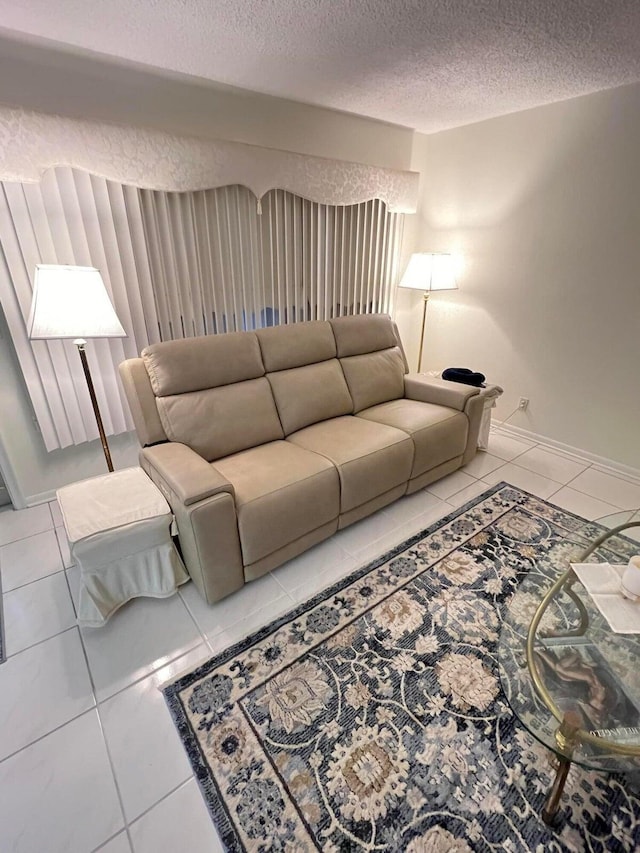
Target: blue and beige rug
(371,718)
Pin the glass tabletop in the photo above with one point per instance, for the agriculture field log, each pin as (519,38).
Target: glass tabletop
(621,517)
(590,673)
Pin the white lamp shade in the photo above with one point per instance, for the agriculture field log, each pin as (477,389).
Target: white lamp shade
(429,271)
(71,302)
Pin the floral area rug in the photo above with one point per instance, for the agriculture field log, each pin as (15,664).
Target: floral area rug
(372,717)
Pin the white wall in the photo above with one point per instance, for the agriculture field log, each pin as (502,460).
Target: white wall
(36,78)
(92,86)
(543,209)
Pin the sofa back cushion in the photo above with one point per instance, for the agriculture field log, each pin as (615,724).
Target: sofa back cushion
(307,380)
(192,364)
(209,394)
(372,362)
(298,344)
(363,333)
(216,422)
(374,377)
(306,395)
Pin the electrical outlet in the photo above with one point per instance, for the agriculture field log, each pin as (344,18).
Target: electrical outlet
(523,404)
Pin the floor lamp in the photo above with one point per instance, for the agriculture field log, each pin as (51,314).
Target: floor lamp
(428,271)
(73,303)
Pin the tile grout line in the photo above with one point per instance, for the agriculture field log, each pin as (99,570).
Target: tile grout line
(73,604)
(550,479)
(153,671)
(615,507)
(76,716)
(29,583)
(208,637)
(589,464)
(28,536)
(571,482)
(44,577)
(497,468)
(538,474)
(573,479)
(97,701)
(115,778)
(191,615)
(51,514)
(566,485)
(283,588)
(46,734)
(104,740)
(45,640)
(161,800)
(111,838)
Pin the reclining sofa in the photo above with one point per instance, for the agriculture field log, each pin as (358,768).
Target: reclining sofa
(265,443)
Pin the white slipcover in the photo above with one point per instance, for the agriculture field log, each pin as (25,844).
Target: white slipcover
(119,531)
(491,394)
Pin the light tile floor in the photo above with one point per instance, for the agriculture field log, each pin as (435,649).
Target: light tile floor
(89,758)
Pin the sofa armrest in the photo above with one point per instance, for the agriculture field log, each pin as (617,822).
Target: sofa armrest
(203,503)
(430,389)
(190,477)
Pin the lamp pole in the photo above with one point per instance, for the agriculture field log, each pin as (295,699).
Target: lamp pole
(81,344)
(424,321)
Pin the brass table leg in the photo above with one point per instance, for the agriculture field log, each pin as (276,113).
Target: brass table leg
(566,739)
(550,808)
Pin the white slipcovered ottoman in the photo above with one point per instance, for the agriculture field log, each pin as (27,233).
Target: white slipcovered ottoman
(119,531)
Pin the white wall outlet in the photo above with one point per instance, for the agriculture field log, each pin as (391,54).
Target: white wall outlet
(524,403)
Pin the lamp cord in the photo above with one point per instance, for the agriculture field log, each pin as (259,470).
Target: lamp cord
(506,420)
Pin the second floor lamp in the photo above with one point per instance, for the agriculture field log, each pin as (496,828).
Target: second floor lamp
(428,271)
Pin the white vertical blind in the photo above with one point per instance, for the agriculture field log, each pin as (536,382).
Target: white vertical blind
(178,265)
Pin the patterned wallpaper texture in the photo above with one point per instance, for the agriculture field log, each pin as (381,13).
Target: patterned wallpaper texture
(32,142)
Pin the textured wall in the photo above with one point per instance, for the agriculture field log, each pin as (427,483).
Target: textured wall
(544,208)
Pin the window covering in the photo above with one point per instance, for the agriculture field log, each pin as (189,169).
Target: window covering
(33,142)
(179,264)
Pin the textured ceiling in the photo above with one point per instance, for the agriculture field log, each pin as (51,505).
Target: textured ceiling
(426,64)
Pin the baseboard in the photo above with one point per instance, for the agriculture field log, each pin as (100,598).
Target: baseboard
(18,500)
(608,466)
(41,498)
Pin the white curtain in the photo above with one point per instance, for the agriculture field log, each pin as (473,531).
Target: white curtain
(178,265)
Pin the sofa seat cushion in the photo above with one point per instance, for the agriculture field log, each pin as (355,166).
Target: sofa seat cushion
(371,458)
(282,492)
(438,433)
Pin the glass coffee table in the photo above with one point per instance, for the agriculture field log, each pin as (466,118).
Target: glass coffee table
(572,681)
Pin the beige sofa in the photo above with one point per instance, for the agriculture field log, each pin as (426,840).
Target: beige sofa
(265,443)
